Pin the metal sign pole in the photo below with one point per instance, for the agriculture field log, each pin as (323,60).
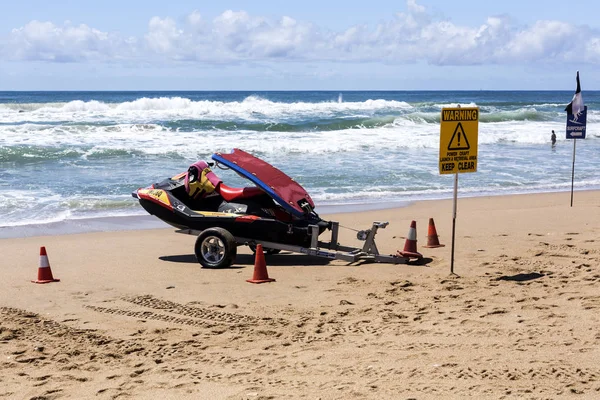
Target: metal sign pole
(573,171)
(454,222)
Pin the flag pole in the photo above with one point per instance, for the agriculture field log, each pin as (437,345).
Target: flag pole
(575,127)
(573,170)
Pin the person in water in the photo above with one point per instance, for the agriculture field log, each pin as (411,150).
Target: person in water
(553,138)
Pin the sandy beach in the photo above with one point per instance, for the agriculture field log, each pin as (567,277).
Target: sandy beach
(134,315)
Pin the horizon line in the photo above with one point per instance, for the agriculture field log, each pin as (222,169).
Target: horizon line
(293,90)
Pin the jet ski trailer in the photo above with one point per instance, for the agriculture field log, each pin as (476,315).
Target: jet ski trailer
(331,250)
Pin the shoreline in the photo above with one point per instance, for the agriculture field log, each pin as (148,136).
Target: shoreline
(146,221)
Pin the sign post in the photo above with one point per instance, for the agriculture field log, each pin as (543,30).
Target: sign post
(576,130)
(458,150)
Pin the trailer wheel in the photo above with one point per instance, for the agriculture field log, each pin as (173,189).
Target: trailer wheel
(267,250)
(215,248)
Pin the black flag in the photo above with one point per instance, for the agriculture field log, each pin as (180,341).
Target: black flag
(576,105)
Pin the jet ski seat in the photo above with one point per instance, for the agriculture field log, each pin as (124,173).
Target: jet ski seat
(230,194)
(201,181)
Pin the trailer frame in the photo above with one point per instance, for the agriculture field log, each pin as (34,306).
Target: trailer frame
(326,249)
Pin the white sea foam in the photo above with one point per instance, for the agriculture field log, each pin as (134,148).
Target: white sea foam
(41,207)
(454,105)
(81,106)
(165,108)
(156,139)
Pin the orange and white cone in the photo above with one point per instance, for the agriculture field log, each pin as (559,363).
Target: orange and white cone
(260,267)
(432,236)
(410,245)
(44,271)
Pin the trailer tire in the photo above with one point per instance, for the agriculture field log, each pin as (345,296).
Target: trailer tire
(215,248)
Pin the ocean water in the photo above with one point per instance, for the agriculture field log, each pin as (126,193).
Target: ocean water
(77,155)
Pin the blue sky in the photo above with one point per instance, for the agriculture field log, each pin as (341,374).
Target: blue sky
(305,45)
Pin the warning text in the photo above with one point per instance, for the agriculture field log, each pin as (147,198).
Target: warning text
(460,115)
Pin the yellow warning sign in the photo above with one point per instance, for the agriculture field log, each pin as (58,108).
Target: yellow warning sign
(458,140)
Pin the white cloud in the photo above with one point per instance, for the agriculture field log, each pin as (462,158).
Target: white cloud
(46,41)
(239,35)
(592,51)
(230,36)
(412,36)
(163,36)
(195,19)
(545,40)
(287,38)
(413,7)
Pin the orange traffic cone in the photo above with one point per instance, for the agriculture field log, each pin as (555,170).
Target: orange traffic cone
(410,245)
(260,267)
(432,236)
(44,271)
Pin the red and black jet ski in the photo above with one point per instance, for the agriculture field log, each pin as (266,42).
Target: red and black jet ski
(277,209)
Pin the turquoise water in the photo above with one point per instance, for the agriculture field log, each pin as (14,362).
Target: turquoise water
(73,155)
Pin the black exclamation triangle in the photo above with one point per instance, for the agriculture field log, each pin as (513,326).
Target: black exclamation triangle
(459,139)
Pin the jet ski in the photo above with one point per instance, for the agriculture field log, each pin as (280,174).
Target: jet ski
(274,209)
